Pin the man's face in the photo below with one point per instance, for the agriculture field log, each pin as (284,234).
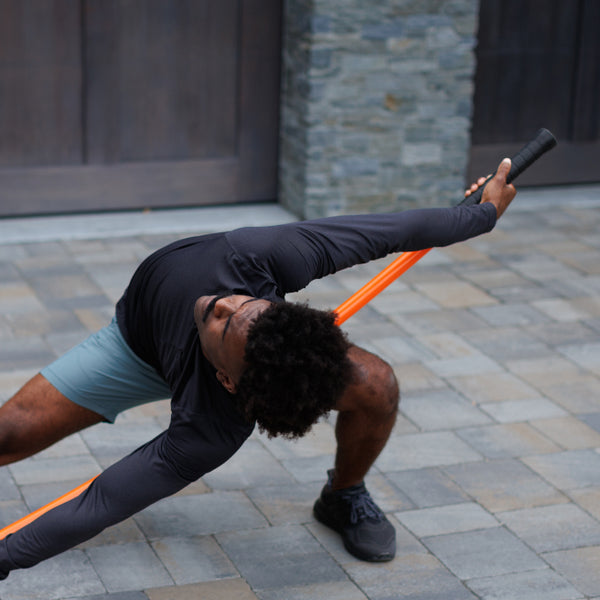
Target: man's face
(223,323)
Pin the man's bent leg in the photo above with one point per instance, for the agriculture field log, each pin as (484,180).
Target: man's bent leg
(367,413)
(36,417)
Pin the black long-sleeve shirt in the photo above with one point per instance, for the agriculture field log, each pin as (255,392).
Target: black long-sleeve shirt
(155,316)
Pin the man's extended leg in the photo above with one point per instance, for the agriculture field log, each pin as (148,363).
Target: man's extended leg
(367,413)
(36,417)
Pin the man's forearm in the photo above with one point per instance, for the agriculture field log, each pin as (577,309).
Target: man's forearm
(123,489)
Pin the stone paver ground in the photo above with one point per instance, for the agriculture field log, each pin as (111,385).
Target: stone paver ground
(492,474)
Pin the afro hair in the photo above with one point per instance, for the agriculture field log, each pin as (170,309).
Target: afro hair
(297,368)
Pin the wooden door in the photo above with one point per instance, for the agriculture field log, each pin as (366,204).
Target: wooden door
(40,83)
(538,65)
(121,104)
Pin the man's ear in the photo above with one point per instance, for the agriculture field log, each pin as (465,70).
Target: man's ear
(226,381)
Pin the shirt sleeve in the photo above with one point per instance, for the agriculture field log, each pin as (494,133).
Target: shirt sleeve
(154,471)
(294,254)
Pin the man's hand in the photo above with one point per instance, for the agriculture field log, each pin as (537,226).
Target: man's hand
(496,191)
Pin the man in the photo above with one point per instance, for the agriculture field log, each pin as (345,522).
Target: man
(204,321)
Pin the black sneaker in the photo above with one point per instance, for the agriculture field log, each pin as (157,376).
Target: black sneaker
(365,530)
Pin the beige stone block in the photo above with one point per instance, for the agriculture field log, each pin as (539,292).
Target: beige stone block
(588,262)
(581,566)
(456,294)
(569,432)
(495,277)
(448,345)
(340,590)
(402,426)
(527,439)
(588,499)
(560,310)
(542,372)
(225,589)
(18,298)
(492,387)
(578,395)
(465,253)
(416,377)
(559,249)
(588,305)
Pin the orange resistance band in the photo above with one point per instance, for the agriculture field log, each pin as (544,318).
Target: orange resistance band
(364,295)
(44,509)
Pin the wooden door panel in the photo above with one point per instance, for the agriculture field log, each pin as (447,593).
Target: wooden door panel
(586,106)
(161,79)
(40,82)
(525,63)
(179,102)
(260,65)
(537,66)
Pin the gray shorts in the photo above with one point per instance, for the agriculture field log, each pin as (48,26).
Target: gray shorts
(105,375)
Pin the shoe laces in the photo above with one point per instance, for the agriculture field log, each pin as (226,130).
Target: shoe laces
(361,504)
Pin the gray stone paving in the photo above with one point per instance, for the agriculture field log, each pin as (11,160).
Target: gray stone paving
(492,474)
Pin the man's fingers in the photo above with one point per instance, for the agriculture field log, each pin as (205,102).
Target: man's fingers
(475,186)
(504,168)
(498,192)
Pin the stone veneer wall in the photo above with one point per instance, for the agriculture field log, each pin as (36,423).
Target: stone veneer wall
(376,104)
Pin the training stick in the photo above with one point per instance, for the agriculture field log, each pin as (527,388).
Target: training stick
(525,157)
(542,142)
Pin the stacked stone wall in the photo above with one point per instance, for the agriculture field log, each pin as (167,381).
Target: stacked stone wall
(376,104)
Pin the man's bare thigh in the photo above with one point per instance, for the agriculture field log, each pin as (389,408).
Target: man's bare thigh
(36,417)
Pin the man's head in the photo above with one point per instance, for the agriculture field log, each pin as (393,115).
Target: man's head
(286,363)
(223,322)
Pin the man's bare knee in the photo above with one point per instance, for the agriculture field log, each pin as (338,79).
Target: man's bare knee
(386,390)
(375,387)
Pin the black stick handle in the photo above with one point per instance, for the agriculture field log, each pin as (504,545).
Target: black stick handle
(524,158)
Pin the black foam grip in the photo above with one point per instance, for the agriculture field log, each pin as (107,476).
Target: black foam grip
(524,158)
